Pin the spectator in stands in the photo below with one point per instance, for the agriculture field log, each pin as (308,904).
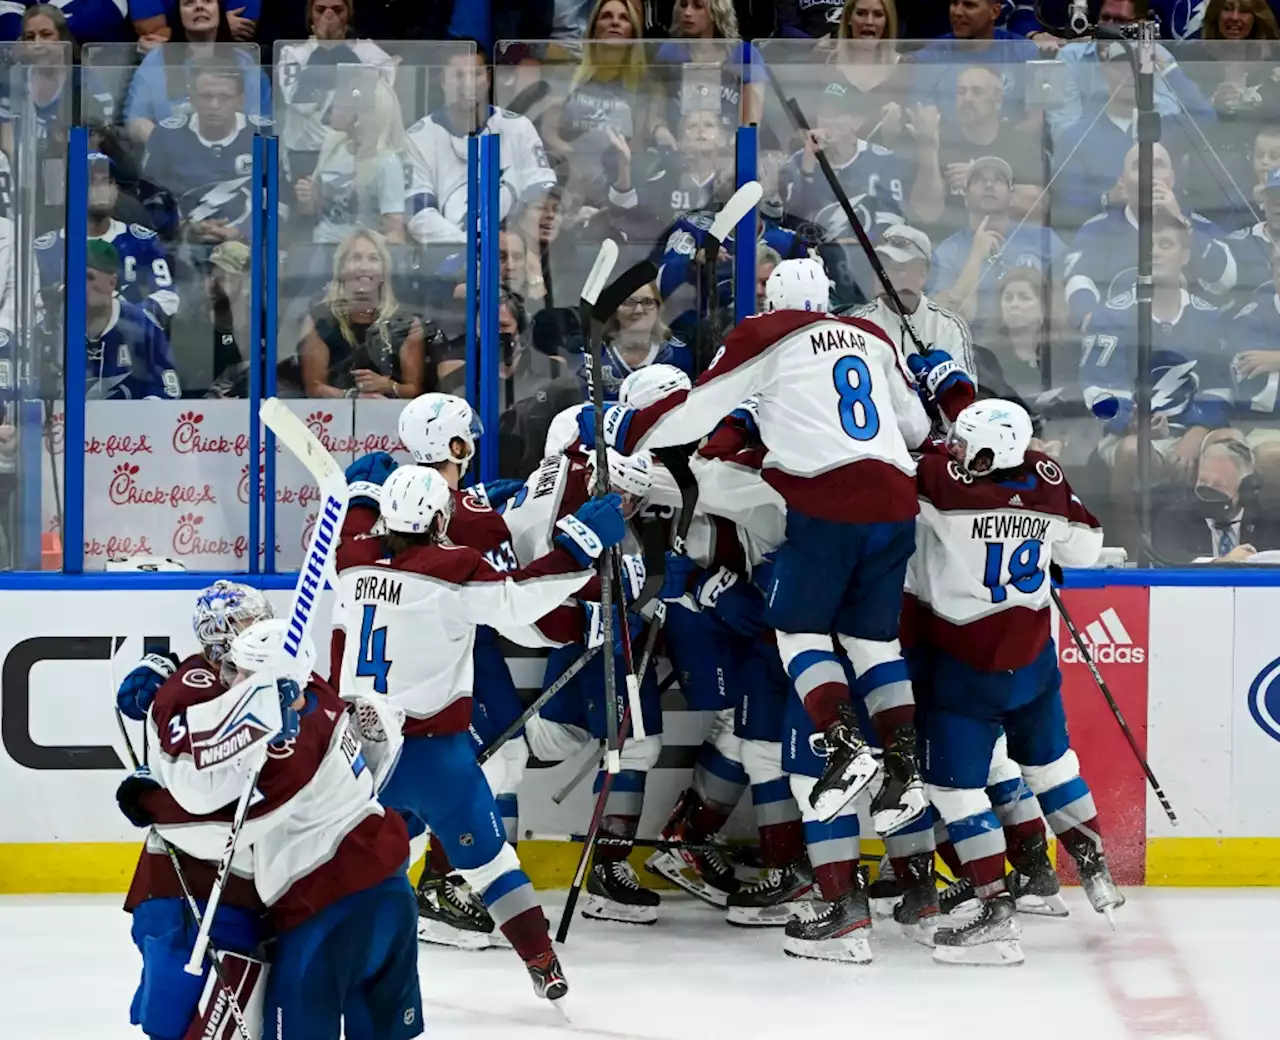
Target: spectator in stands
(438,185)
(980,128)
(706,34)
(522,369)
(92,21)
(815,19)
(50,60)
(635,337)
(864,168)
(203,161)
(211,341)
(513,261)
(767,258)
(308,80)
(539,222)
(360,341)
(127,355)
(974,37)
(1253,246)
(1103,261)
(1087,83)
(968,266)
(159,89)
(360,175)
(1255,369)
(608,93)
(869,63)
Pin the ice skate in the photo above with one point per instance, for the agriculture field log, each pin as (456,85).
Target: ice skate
(449,914)
(885,891)
(958,899)
(901,797)
(850,765)
(1095,877)
(1034,881)
(773,900)
(839,932)
(991,938)
(547,975)
(614,894)
(707,875)
(919,912)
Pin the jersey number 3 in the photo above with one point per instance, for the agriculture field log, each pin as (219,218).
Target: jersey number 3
(1025,574)
(373,662)
(858,415)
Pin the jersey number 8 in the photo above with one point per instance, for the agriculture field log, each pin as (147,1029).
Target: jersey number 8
(858,415)
(1025,574)
(372,662)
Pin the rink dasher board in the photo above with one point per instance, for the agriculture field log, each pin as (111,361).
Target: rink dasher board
(1196,670)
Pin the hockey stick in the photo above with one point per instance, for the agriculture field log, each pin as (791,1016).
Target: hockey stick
(731,214)
(1098,681)
(294,435)
(215,955)
(643,843)
(792,108)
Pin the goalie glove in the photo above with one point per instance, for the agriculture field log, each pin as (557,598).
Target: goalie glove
(380,726)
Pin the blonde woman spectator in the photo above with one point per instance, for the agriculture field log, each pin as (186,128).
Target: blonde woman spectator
(869,62)
(359,180)
(308,79)
(360,341)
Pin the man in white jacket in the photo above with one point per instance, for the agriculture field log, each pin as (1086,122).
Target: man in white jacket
(906,253)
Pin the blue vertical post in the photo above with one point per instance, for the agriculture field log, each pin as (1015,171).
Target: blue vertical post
(271,309)
(490,225)
(256,260)
(75,331)
(744,236)
(472,372)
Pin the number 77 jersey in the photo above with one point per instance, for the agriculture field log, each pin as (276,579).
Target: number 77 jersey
(978,585)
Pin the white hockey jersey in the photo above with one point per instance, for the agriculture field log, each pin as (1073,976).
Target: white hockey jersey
(437,201)
(978,585)
(936,326)
(837,411)
(308,88)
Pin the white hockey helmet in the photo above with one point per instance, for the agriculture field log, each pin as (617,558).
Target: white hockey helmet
(416,500)
(653,383)
(430,423)
(223,611)
(798,285)
(631,476)
(989,436)
(260,648)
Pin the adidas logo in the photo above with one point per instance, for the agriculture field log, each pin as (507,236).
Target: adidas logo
(1108,641)
(1016,500)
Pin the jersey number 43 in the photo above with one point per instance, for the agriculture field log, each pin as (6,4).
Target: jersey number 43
(373,662)
(858,415)
(1024,572)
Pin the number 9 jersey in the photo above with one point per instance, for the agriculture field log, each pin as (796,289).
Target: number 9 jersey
(978,585)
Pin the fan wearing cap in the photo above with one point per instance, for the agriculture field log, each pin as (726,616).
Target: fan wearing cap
(967,267)
(127,353)
(862,167)
(146,278)
(907,255)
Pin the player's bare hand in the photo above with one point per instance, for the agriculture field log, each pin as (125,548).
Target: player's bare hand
(1257,362)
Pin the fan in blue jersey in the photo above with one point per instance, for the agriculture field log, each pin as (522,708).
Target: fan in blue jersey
(90,21)
(1190,377)
(1255,368)
(635,338)
(1104,256)
(145,276)
(127,355)
(1253,245)
(205,160)
(844,120)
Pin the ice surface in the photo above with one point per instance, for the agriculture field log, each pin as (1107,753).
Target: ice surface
(1189,964)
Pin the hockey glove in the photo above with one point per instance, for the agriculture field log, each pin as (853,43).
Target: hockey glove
(142,684)
(366,476)
(595,626)
(617,420)
(290,692)
(740,608)
(496,493)
(130,794)
(596,526)
(634,575)
(675,579)
(942,382)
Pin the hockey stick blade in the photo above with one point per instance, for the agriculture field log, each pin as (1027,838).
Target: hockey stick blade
(731,214)
(623,288)
(605,260)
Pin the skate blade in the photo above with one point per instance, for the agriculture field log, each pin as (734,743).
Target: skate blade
(664,867)
(861,772)
(600,909)
(881,908)
(847,949)
(563,1005)
(922,931)
(1043,906)
(997,954)
(762,916)
(1109,914)
(437,933)
(912,808)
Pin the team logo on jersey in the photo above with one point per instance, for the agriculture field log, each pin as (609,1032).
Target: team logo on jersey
(1108,642)
(1049,471)
(959,473)
(199,679)
(1264,699)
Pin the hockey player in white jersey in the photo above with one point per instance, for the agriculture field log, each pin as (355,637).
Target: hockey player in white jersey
(437,201)
(993,516)
(838,417)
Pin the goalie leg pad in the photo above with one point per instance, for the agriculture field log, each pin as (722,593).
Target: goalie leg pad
(247,980)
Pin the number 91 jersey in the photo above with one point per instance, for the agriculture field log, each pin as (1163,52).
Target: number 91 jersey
(978,585)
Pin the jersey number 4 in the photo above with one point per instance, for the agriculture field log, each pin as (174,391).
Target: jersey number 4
(858,415)
(1025,574)
(373,662)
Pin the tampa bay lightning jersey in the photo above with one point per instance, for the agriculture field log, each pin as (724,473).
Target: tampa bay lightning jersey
(1255,328)
(210,180)
(1190,364)
(872,170)
(131,359)
(685,238)
(1252,249)
(614,369)
(145,276)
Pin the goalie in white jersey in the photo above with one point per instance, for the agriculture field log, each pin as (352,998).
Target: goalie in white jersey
(993,516)
(838,415)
